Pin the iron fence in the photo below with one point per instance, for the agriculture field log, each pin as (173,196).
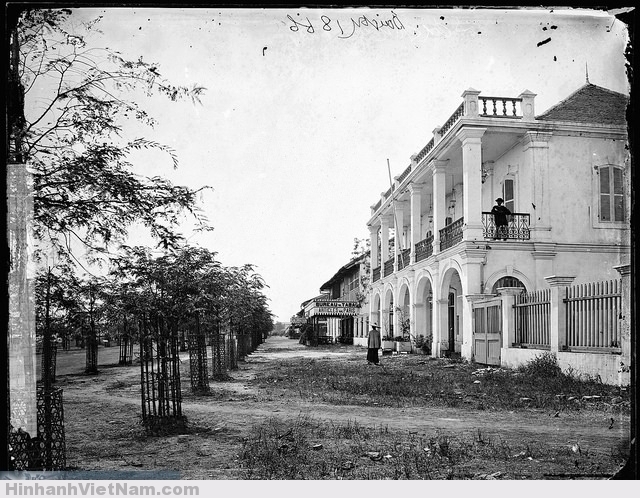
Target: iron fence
(592,315)
(532,319)
(516,229)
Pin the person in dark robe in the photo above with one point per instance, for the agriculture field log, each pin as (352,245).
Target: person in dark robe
(374,344)
(500,217)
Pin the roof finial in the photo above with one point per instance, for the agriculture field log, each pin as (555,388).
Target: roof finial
(586,70)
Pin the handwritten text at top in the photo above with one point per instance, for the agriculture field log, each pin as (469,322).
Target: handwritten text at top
(344,29)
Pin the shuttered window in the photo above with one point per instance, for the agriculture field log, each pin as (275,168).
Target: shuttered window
(508,194)
(611,194)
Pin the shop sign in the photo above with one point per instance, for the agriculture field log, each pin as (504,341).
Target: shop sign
(334,308)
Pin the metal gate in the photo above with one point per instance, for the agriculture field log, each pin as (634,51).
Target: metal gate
(487,332)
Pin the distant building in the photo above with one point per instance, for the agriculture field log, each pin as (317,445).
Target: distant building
(563,174)
(341,312)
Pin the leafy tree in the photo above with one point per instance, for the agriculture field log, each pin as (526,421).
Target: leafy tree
(362,252)
(55,302)
(79,100)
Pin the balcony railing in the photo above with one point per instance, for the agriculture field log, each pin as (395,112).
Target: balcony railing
(517,229)
(376,274)
(424,248)
(451,234)
(499,107)
(404,174)
(404,258)
(388,267)
(459,112)
(425,150)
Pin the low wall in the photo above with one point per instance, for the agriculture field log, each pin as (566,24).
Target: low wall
(607,366)
(360,341)
(514,357)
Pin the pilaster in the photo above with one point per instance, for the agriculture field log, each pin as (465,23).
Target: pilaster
(543,255)
(625,323)
(536,157)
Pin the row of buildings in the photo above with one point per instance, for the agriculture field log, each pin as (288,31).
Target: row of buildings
(554,280)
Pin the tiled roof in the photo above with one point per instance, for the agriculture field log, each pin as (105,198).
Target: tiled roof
(590,104)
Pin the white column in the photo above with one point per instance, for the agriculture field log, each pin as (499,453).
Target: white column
(440,325)
(399,219)
(471,139)
(416,224)
(439,201)
(373,237)
(384,242)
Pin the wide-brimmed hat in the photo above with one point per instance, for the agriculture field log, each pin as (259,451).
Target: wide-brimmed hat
(374,325)
(500,200)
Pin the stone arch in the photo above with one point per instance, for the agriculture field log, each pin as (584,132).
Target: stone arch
(374,310)
(450,311)
(386,312)
(402,308)
(424,307)
(451,267)
(497,275)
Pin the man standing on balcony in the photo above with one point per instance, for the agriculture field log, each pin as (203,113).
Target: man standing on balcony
(373,344)
(501,221)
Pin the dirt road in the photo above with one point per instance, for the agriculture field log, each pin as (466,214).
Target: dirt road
(102,432)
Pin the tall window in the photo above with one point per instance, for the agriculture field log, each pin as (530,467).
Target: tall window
(508,194)
(611,194)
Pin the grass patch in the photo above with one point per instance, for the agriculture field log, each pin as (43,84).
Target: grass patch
(306,448)
(413,380)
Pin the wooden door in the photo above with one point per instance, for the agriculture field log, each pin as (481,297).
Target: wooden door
(487,332)
(451,322)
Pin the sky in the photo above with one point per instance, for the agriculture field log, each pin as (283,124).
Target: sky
(304,107)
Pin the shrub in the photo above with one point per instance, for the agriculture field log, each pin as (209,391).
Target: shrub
(544,366)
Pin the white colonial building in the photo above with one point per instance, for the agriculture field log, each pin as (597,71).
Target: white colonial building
(564,175)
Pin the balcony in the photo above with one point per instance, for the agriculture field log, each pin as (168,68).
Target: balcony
(376,274)
(517,229)
(424,248)
(451,234)
(388,267)
(404,259)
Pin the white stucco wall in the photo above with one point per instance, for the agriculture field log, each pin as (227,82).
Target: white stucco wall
(606,366)
(572,195)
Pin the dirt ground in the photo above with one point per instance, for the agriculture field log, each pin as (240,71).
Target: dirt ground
(103,431)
